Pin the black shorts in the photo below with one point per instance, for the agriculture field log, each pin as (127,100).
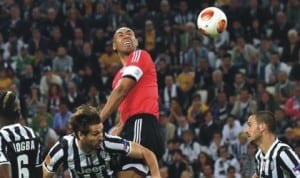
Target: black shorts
(142,129)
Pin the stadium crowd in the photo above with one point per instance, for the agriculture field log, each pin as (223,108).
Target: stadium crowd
(57,54)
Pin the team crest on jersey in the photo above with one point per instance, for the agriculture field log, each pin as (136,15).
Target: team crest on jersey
(297,168)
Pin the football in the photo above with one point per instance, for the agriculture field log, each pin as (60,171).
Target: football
(212,21)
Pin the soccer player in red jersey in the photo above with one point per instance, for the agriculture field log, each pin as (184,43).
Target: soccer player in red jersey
(135,95)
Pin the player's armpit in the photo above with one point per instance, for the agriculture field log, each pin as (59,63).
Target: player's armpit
(5,170)
(138,151)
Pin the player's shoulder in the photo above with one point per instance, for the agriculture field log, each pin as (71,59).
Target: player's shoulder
(138,53)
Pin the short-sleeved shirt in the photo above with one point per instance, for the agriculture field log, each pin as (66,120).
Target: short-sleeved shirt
(143,98)
(20,147)
(278,162)
(66,152)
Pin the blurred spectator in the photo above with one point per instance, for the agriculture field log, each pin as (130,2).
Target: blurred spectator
(190,147)
(182,125)
(208,171)
(207,129)
(221,108)
(167,39)
(98,42)
(5,80)
(183,16)
(88,58)
(73,21)
(191,33)
(241,53)
(76,45)
(248,166)
(13,46)
(289,137)
(215,144)
(265,49)
(227,68)
(56,40)
(239,84)
(16,22)
(243,106)
(232,173)
(27,80)
(164,14)
(48,136)
(38,41)
(48,78)
(280,29)
(186,80)
(239,148)
(273,67)
(172,145)
(19,61)
(50,4)
(61,119)
(109,56)
(149,37)
(203,74)
(293,13)
(116,17)
(202,160)
(196,110)
(292,105)
(224,161)
(177,166)
(32,101)
(176,110)
(162,70)
(73,97)
(166,127)
(95,97)
(218,86)
(231,130)
(291,49)
(52,20)
(282,122)
(41,112)
(54,97)
(267,102)
(169,91)
(62,61)
(89,78)
(255,70)
(100,16)
(70,76)
(40,61)
(271,11)
(255,31)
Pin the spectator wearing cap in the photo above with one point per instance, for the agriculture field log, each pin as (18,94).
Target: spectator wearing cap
(62,61)
(19,61)
(48,78)
(167,128)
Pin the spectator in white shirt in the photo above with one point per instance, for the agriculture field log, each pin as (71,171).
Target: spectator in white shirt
(273,67)
(231,130)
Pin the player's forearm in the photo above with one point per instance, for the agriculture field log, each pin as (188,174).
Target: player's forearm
(112,103)
(152,163)
(5,171)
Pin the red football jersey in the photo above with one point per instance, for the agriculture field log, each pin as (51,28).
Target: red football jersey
(143,98)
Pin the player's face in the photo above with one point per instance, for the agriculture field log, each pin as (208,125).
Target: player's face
(253,130)
(93,139)
(124,40)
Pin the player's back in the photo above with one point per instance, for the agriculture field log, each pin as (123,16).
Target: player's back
(20,146)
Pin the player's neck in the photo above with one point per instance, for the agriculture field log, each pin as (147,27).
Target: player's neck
(123,58)
(83,147)
(266,142)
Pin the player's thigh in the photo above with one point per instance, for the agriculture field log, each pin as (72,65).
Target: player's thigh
(129,174)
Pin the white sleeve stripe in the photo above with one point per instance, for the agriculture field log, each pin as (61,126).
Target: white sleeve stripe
(136,56)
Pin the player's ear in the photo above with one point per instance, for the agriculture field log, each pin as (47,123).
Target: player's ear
(262,127)
(114,46)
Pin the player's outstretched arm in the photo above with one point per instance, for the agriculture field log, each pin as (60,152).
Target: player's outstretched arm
(116,97)
(5,171)
(141,152)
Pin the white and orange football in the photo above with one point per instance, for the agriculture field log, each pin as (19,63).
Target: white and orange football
(212,21)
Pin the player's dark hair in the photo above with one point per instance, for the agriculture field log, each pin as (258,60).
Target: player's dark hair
(9,107)
(268,118)
(84,116)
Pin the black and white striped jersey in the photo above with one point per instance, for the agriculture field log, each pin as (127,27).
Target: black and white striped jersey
(20,147)
(66,152)
(279,162)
